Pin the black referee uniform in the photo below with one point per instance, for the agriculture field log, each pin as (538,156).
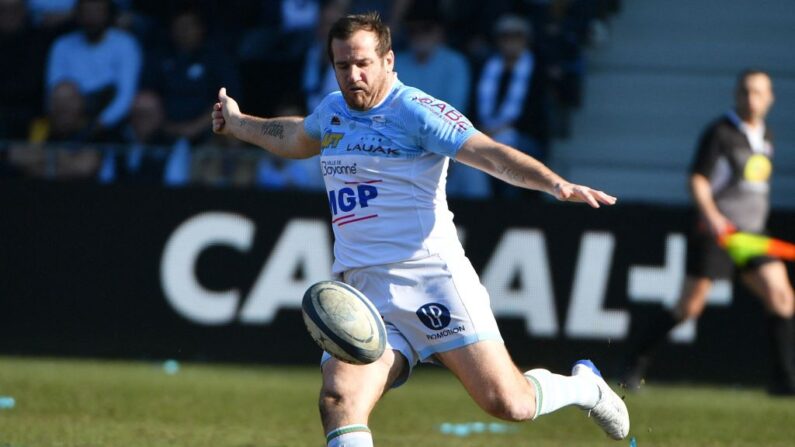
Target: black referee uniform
(739,175)
(737,161)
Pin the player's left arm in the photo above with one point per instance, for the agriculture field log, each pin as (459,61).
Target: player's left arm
(520,169)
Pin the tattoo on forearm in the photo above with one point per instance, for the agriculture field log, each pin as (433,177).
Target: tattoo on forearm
(273,129)
(243,124)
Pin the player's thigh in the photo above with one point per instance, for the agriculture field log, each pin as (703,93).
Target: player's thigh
(488,374)
(357,388)
(771,284)
(693,297)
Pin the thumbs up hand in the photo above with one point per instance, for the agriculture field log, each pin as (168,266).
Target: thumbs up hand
(225,111)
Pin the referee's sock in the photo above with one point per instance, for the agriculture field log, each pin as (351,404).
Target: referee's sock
(647,342)
(781,334)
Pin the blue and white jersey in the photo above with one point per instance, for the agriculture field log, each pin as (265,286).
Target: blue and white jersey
(385,172)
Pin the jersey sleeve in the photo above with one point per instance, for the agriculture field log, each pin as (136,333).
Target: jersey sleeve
(707,154)
(312,123)
(439,127)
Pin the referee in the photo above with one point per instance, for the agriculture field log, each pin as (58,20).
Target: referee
(729,181)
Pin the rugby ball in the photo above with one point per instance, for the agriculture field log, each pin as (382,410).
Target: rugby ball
(344,322)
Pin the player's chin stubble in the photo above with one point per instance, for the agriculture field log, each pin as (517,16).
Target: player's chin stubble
(357,101)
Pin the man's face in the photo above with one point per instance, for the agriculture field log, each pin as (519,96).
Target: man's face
(146,115)
(363,75)
(511,44)
(187,32)
(12,16)
(94,18)
(67,107)
(755,97)
(424,38)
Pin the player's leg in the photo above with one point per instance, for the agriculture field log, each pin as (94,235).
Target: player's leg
(350,392)
(693,299)
(492,379)
(770,283)
(690,306)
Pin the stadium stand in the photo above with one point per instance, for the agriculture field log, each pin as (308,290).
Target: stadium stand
(649,92)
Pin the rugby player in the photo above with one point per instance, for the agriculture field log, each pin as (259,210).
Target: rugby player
(384,149)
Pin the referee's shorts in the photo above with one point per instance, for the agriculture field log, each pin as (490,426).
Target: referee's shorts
(706,259)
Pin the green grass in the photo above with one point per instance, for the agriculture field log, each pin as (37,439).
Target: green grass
(90,403)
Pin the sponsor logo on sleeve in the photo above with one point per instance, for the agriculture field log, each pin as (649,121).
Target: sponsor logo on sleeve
(444,111)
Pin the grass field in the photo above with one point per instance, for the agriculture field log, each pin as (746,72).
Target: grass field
(88,403)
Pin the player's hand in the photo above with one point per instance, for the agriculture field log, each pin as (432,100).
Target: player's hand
(569,192)
(225,112)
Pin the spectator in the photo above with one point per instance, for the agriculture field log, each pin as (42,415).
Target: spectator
(244,174)
(207,168)
(432,66)
(67,120)
(148,148)
(441,72)
(469,24)
(187,75)
(510,104)
(392,11)
(284,31)
(104,62)
(68,126)
(22,78)
(149,19)
(147,118)
(560,51)
(319,79)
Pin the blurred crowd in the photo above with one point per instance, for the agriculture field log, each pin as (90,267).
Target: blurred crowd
(121,90)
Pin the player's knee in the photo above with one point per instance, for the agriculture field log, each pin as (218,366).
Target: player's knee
(328,402)
(509,407)
(332,401)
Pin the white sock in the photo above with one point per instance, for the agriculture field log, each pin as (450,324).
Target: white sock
(554,391)
(357,435)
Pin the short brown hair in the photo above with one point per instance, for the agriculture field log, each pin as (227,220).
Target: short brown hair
(346,26)
(747,73)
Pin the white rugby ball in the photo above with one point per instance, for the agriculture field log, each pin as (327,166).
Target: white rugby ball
(344,322)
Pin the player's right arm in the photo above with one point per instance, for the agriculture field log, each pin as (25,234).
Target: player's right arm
(282,136)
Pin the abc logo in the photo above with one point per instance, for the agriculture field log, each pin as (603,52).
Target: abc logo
(434,315)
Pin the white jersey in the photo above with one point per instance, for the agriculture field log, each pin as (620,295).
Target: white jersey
(385,173)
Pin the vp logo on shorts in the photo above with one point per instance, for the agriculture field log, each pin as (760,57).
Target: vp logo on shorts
(434,315)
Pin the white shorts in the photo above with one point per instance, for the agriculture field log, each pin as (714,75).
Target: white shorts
(429,305)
